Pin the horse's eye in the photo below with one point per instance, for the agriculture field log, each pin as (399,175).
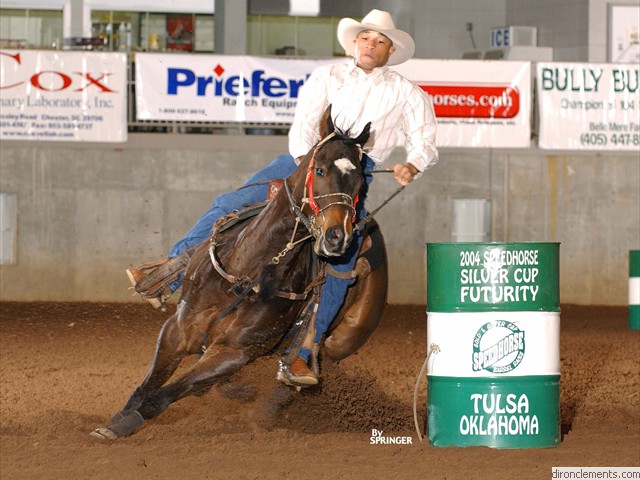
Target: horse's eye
(319,172)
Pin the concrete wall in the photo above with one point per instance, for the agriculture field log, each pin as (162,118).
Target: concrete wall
(87,211)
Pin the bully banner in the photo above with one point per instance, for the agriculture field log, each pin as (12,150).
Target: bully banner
(589,106)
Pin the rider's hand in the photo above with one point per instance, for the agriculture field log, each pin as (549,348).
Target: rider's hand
(404,173)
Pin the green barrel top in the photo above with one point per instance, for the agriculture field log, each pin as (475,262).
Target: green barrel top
(493,276)
(634,263)
(634,289)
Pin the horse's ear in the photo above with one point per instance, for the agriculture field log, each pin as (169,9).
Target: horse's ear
(326,124)
(364,136)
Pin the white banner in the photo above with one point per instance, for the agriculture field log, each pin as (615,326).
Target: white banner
(478,103)
(490,110)
(65,96)
(219,88)
(588,106)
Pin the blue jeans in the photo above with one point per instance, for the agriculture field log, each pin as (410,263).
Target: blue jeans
(335,289)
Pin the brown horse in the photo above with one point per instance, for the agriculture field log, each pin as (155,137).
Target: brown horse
(268,259)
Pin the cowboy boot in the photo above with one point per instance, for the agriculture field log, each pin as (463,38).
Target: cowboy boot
(152,280)
(301,374)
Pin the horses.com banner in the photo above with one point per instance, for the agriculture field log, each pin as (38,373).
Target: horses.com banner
(219,88)
(589,106)
(63,96)
(477,103)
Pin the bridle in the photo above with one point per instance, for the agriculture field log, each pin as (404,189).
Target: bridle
(309,197)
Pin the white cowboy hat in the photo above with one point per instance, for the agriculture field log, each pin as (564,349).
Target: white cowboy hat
(380,21)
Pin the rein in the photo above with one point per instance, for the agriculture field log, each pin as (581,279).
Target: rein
(369,216)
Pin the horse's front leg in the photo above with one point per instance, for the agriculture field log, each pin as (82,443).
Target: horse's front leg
(169,353)
(217,364)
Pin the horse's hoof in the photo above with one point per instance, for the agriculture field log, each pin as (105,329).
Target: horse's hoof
(115,419)
(119,426)
(128,424)
(103,433)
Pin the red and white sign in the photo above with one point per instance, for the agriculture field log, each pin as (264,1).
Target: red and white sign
(477,103)
(474,101)
(63,96)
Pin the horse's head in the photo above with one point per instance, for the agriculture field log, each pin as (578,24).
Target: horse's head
(333,177)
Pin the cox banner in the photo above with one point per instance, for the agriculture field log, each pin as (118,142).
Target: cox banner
(66,96)
(477,103)
(219,88)
(589,106)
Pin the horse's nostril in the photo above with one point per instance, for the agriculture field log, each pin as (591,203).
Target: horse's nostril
(335,235)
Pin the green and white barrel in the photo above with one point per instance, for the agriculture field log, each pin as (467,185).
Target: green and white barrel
(634,289)
(493,336)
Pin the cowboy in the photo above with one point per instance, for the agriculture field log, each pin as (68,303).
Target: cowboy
(363,89)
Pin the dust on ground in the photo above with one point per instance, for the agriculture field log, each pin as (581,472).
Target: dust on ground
(67,367)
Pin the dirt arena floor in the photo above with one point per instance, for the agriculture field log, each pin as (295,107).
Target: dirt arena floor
(66,368)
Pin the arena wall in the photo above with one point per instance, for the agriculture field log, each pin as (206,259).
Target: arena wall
(87,211)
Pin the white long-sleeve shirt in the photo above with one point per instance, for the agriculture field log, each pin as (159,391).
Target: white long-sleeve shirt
(399,111)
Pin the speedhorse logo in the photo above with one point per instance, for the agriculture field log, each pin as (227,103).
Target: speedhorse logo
(498,347)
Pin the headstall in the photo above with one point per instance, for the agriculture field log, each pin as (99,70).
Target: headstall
(310,198)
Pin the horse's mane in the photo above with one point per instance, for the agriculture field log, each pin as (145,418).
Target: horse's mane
(269,283)
(345,136)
